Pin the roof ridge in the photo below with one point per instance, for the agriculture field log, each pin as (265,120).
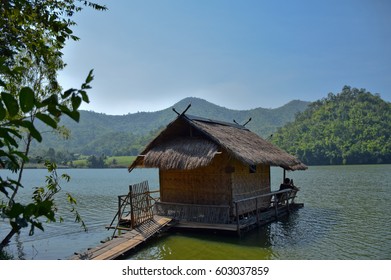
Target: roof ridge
(207,120)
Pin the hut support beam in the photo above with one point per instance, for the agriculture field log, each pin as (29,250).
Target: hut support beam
(237,219)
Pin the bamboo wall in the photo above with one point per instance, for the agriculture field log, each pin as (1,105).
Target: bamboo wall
(209,185)
(246,184)
(222,182)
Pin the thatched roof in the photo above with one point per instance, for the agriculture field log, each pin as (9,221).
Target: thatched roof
(190,142)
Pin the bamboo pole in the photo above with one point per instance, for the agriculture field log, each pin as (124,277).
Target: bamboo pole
(237,219)
(256,209)
(131,206)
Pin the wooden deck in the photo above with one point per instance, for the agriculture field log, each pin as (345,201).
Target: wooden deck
(205,226)
(120,245)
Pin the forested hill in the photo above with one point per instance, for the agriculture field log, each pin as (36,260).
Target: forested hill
(352,127)
(98,134)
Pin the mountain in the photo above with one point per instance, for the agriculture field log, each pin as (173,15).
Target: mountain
(351,127)
(98,133)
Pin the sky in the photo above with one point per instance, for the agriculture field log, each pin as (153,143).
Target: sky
(244,54)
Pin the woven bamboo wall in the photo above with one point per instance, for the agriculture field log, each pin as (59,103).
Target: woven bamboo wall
(209,185)
(246,184)
(220,183)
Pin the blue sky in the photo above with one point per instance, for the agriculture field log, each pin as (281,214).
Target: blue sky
(147,55)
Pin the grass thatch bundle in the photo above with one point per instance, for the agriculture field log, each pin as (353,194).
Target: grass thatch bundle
(182,153)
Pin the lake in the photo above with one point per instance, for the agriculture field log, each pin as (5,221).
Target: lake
(346,215)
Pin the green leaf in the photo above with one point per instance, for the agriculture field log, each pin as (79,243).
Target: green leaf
(89,79)
(10,103)
(39,225)
(3,112)
(50,101)
(76,101)
(5,134)
(47,120)
(84,96)
(75,115)
(20,155)
(90,76)
(71,199)
(4,191)
(52,109)
(33,131)
(29,210)
(67,93)
(26,99)
(14,211)
(66,177)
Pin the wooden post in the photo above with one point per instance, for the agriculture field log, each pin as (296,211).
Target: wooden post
(237,218)
(119,208)
(132,223)
(288,194)
(256,209)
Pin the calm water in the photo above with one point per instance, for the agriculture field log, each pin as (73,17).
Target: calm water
(346,216)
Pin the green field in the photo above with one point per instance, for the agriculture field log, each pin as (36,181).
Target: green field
(120,161)
(111,162)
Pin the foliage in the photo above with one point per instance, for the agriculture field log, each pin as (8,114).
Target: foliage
(96,162)
(42,205)
(61,158)
(32,36)
(5,255)
(352,127)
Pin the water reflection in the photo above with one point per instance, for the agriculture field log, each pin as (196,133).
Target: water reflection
(287,238)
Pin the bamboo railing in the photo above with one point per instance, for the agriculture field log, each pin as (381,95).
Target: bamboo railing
(212,214)
(135,208)
(275,200)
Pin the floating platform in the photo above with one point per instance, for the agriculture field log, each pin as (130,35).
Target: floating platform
(125,242)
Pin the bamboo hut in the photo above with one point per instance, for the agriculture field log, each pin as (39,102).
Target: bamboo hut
(206,166)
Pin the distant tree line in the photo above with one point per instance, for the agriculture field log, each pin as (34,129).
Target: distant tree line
(96,161)
(111,144)
(59,157)
(352,127)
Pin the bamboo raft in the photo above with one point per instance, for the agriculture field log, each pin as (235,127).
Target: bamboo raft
(122,244)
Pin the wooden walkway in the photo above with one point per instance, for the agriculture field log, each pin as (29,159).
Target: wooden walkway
(120,245)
